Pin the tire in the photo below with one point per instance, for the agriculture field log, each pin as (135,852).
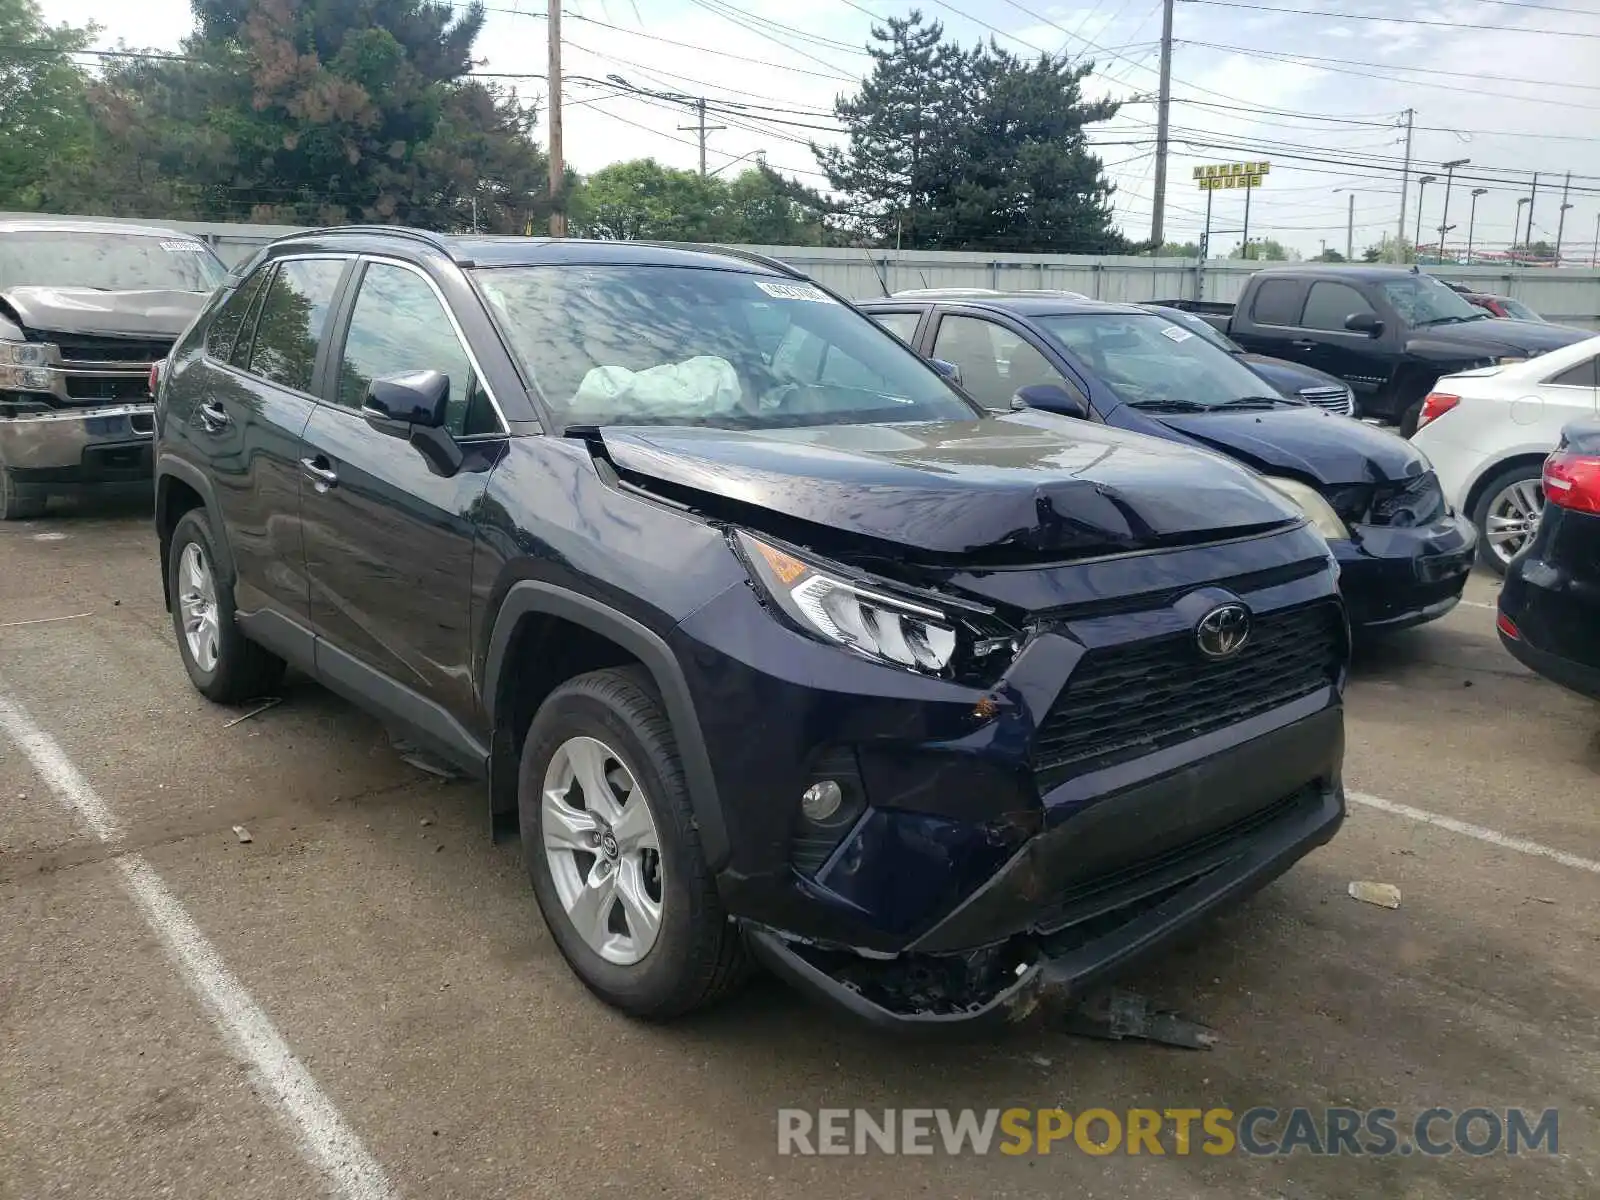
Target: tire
(694,955)
(18,503)
(231,668)
(1489,499)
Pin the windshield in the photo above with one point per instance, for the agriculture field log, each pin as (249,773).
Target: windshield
(107,262)
(648,345)
(1150,362)
(1200,327)
(1519,310)
(1423,300)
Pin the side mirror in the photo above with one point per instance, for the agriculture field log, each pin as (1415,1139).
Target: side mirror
(1364,322)
(1051,397)
(414,407)
(948,369)
(417,398)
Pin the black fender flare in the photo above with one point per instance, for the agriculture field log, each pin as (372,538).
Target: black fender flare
(533,596)
(168,465)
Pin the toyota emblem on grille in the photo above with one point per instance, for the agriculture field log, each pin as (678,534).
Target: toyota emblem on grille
(1223,631)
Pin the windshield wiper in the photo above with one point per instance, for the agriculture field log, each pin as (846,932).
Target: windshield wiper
(1262,402)
(1175,406)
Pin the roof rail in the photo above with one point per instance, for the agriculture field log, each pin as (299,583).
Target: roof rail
(749,256)
(436,240)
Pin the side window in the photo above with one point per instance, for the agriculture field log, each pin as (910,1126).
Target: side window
(994,361)
(239,356)
(902,325)
(399,325)
(230,318)
(1584,375)
(1330,303)
(294,317)
(1277,302)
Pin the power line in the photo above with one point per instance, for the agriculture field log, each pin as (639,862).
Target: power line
(734,17)
(1370,66)
(1342,16)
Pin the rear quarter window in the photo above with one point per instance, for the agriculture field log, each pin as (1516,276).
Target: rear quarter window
(1277,302)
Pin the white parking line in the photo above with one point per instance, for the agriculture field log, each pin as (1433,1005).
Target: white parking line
(1504,840)
(327,1142)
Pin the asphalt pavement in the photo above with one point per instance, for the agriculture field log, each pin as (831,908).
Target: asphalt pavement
(361,1001)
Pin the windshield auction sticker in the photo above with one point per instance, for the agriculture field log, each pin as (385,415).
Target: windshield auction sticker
(1176,334)
(794,291)
(183,247)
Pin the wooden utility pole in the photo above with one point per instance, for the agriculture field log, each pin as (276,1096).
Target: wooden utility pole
(1158,209)
(1561,221)
(700,128)
(558,218)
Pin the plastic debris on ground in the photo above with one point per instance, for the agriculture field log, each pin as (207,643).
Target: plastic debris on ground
(1384,895)
(1116,1015)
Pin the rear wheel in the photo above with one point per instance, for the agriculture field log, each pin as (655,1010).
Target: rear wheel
(223,664)
(1507,513)
(613,853)
(18,503)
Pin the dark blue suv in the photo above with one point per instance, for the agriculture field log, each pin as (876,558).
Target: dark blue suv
(768,638)
(1404,555)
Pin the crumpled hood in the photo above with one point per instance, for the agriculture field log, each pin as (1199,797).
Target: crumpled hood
(1021,486)
(1292,376)
(1303,441)
(1497,336)
(85,310)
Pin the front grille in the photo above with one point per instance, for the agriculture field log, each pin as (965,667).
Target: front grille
(1330,399)
(81,347)
(1406,505)
(1128,701)
(131,389)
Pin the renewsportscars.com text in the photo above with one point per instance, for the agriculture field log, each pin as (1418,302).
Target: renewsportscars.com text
(1259,1131)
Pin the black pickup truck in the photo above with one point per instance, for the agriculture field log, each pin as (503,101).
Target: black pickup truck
(1389,332)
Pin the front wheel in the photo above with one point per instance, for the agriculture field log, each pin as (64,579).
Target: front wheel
(1507,514)
(611,848)
(17,503)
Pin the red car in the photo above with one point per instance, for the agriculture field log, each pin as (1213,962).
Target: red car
(1503,306)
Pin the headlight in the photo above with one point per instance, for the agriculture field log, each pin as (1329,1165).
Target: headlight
(843,612)
(1317,510)
(25,354)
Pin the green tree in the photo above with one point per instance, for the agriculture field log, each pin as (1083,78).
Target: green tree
(1266,250)
(763,208)
(1329,255)
(1178,250)
(44,114)
(642,199)
(970,149)
(328,112)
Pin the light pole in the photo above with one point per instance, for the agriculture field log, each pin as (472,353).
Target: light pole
(1349,225)
(1422,189)
(1521,200)
(1444,219)
(1472,217)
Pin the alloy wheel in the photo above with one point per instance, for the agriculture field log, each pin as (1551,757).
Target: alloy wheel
(1512,517)
(197,603)
(603,851)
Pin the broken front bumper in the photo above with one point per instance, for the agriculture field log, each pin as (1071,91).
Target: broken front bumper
(1079,934)
(66,447)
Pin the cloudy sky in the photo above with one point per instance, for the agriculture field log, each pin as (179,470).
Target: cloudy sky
(1321,97)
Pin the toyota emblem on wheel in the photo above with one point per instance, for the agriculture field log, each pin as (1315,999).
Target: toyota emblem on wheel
(1223,631)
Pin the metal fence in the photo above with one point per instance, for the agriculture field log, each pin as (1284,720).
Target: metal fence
(1569,295)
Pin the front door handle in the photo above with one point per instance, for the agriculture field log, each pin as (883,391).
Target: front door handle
(320,472)
(213,416)
(1303,344)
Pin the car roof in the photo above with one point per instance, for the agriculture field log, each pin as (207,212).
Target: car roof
(492,251)
(1367,273)
(1021,304)
(72,225)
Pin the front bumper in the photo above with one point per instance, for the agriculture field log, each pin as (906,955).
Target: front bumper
(1396,577)
(71,447)
(1286,783)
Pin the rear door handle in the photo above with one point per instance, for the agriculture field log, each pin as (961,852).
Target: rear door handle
(213,416)
(320,472)
(1303,344)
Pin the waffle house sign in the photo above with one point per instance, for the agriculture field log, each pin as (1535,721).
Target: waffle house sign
(1215,177)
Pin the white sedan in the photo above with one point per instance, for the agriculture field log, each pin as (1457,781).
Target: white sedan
(1488,431)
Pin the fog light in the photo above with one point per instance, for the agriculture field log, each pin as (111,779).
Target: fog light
(821,800)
